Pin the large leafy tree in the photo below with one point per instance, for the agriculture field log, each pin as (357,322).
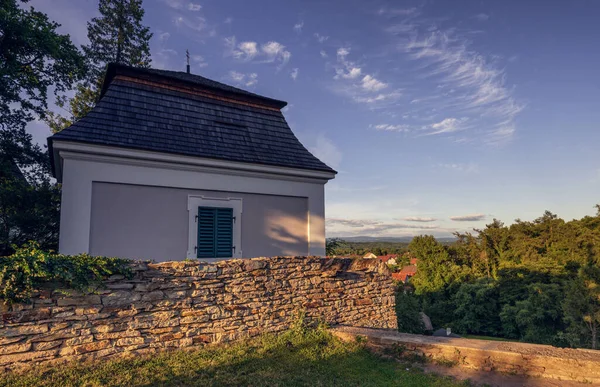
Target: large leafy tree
(33,58)
(117,35)
(582,306)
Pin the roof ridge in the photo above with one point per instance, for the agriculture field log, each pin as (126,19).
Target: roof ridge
(193,80)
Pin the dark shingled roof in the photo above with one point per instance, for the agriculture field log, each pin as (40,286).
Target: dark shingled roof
(145,116)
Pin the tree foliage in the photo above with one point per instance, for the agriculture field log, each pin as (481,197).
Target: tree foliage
(117,35)
(33,57)
(536,281)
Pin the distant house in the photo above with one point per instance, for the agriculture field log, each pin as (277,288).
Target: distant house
(405,274)
(414,261)
(370,256)
(171,165)
(390,259)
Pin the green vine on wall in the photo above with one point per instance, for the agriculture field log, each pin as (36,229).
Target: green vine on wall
(30,268)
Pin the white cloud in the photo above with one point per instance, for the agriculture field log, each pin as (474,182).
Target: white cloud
(370,83)
(194,7)
(391,128)
(359,87)
(342,52)
(381,97)
(163,37)
(198,61)
(447,125)
(419,219)
(275,50)
(398,11)
(196,23)
(294,74)
(175,4)
(352,222)
(326,151)
(320,38)
(468,218)
(482,17)
(323,54)
(228,20)
(351,73)
(247,51)
(298,27)
(249,79)
(468,84)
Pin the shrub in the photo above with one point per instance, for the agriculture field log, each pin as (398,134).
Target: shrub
(29,268)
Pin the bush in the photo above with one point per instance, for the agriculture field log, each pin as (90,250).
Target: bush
(29,268)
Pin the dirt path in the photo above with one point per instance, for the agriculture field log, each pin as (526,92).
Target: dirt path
(495,379)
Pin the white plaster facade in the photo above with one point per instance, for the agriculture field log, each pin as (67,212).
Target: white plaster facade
(78,166)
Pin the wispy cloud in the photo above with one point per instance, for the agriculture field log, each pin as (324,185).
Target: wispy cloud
(294,73)
(320,38)
(298,27)
(419,219)
(249,79)
(352,222)
(447,125)
(391,128)
(194,7)
(459,88)
(468,218)
(482,17)
(360,87)
(323,54)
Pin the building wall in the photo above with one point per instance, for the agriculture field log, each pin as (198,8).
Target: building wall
(182,304)
(146,222)
(83,171)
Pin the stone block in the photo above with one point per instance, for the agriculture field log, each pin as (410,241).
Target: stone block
(24,330)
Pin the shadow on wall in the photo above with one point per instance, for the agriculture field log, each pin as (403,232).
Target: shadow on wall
(288,233)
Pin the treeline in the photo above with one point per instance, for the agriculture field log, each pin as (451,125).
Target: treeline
(535,281)
(339,247)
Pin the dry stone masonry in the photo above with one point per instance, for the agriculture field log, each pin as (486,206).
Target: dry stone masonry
(181,304)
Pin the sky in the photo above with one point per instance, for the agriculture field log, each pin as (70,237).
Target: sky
(439,116)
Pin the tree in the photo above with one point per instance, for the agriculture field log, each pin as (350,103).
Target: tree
(582,306)
(116,36)
(476,308)
(33,56)
(333,245)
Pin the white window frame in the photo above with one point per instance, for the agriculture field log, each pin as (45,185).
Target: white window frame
(195,201)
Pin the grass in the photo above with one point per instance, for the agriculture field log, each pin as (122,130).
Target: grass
(299,357)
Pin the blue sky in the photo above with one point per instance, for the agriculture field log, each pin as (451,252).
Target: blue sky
(438,115)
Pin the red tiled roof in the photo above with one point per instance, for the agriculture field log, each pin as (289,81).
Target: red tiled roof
(414,261)
(385,258)
(399,276)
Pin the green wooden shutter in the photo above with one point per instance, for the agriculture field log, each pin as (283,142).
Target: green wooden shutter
(215,232)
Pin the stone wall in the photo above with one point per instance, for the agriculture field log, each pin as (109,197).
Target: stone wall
(182,304)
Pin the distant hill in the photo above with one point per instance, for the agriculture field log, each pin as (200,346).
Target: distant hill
(405,239)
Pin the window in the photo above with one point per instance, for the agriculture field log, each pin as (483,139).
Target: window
(214,227)
(215,232)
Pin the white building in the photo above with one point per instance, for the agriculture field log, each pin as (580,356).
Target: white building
(170,165)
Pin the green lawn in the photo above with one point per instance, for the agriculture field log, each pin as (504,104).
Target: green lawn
(300,357)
